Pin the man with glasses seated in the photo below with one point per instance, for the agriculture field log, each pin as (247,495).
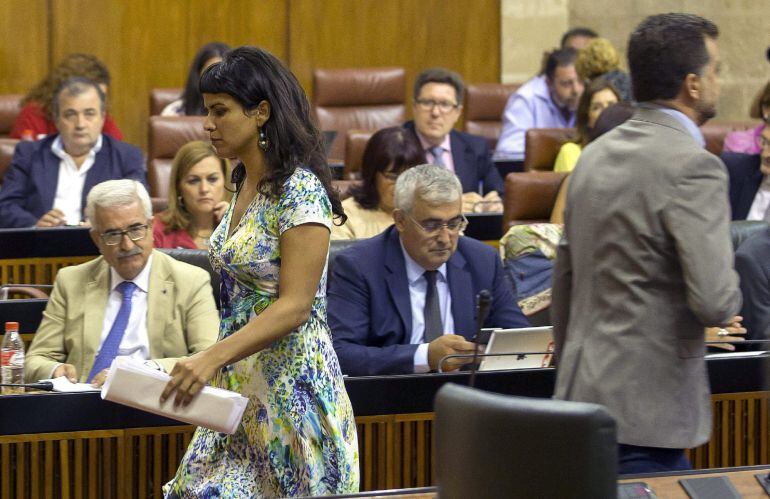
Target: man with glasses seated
(132,301)
(401,301)
(438,99)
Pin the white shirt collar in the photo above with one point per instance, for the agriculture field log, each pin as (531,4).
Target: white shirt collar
(58,148)
(446,144)
(413,269)
(142,281)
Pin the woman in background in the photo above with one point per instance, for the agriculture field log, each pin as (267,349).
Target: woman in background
(597,96)
(35,120)
(748,141)
(298,435)
(190,103)
(600,59)
(195,198)
(388,153)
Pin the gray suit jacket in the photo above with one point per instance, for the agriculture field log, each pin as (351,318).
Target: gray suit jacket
(645,263)
(181,316)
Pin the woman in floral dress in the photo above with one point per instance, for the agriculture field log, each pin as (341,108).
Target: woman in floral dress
(298,435)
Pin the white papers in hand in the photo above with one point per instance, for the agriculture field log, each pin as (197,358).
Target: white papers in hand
(131,383)
(62,384)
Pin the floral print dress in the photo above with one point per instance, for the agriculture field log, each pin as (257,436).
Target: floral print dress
(298,435)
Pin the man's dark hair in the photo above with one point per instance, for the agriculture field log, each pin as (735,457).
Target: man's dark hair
(439,75)
(559,58)
(663,50)
(76,86)
(578,31)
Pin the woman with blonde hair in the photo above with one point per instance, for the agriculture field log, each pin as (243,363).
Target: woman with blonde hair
(35,120)
(600,59)
(195,198)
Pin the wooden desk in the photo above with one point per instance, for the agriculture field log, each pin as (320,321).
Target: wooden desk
(74,445)
(667,486)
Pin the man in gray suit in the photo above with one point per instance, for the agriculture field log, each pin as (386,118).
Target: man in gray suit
(645,262)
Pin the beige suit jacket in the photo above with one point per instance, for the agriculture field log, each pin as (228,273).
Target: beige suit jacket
(181,316)
(644,264)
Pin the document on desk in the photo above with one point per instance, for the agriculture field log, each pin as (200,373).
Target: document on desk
(131,383)
(63,385)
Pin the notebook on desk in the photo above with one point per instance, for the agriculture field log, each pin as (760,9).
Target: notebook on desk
(507,341)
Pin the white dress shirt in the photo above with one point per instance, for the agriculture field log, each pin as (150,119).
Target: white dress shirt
(761,201)
(135,342)
(71,180)
(417,288)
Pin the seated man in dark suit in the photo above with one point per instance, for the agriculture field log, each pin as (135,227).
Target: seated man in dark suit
(47,182)
(753,267)
(749,181)
(438,96)
(401,301)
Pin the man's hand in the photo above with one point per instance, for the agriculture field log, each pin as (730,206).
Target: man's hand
(67,370)
(490,203)
(732,332)
(100,378)
(449,344)
(53,218)
(219,210)
(469,201)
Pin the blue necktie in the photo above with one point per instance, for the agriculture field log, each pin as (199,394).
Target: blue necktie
(109,349)
(438,155)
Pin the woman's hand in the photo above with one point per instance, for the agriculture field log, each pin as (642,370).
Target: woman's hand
(189,376)
(219,210)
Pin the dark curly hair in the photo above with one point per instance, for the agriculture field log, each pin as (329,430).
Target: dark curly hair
(663,50)
(392,150)
(251,75)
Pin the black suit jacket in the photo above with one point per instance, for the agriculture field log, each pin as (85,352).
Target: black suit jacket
(472,160)
(753,267)
(29,187)
(745,178)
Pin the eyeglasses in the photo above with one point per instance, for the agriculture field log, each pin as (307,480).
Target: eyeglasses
(429,104)
(762,142)
(135,233)
(457,224)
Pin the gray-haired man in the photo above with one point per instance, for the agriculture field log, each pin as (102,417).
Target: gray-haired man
(132,301)
(401,301)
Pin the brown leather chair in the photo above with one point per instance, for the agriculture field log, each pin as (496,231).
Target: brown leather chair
(530,196)
(357,98)
(484,106)
(7,146)
(715,132)
(541,146)
(9,110)
(166,135)
(355,144)
(162,97)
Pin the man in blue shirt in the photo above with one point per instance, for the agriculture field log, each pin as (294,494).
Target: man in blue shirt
(546,101)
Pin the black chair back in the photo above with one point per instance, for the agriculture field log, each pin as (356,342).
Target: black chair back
(740,230)
(490,446)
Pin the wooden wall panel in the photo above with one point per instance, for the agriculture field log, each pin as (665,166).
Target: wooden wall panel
(148,44)
(23,44)
(460,35)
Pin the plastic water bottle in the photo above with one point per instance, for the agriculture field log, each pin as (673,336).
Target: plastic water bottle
(12,359)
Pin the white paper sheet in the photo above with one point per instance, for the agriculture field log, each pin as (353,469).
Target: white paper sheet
(131,383)
(62,384)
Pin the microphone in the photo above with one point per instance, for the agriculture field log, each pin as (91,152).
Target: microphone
(483,302)
(40,385)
